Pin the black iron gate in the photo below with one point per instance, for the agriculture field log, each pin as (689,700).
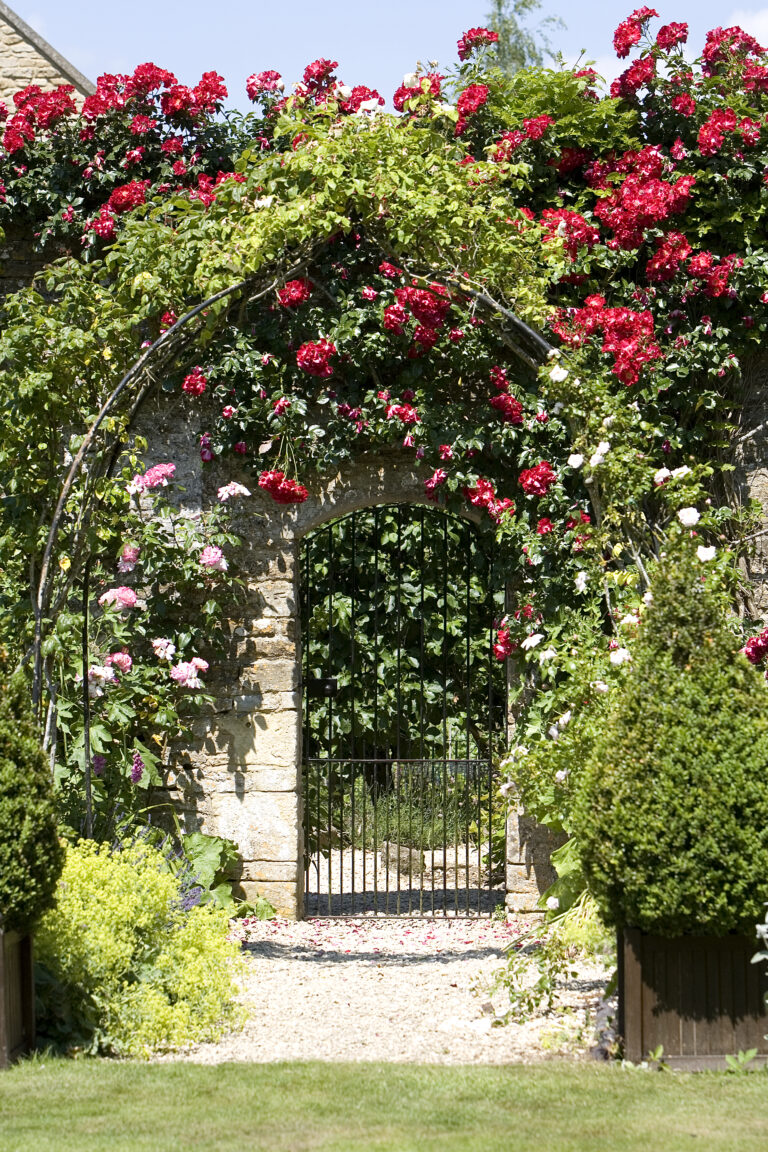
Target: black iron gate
(404,713)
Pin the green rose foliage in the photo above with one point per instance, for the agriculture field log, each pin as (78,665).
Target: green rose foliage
(126,969)
(30,853)
(671,808)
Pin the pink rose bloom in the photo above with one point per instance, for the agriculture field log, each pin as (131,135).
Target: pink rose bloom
(213,557)
(128,558)
(228,412)
(120,660)
(232,489)
(186,673)
(369,293)
(123,597)
(164,649)
(155,477)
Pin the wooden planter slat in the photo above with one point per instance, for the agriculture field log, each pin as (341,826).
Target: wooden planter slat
(698,997)
(17,997)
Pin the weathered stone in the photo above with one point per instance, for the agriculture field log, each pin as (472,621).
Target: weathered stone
(284,895)
(264,825)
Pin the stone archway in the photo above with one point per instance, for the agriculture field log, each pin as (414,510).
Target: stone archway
(240,774)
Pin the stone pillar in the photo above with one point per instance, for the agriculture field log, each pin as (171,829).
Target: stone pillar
(529,869)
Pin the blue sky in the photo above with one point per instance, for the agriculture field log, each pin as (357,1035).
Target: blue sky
(374,42)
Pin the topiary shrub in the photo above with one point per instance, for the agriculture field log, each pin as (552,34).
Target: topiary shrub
(671,808)
(31,856)
(125,966)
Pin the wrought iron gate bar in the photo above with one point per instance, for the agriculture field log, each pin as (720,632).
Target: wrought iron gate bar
(398,610)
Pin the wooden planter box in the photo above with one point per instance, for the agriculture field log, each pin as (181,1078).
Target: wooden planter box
(700,997)
(17,997)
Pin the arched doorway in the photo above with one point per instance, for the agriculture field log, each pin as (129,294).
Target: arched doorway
(404,715)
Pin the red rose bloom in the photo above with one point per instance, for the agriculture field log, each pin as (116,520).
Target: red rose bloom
(537,481)
(281,489)
(313,358)
(294,293)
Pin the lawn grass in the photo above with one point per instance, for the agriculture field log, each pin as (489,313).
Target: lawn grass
(94,1105)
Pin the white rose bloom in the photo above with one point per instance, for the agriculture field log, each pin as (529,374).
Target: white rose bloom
(581,581)
(575,460)
(620,656)
(506,788)
(705,554)
(532,640)
(558,374)
(547,654)
(553,903)
(564,720)
(662,475)
(553,732)
(561,776)
(608,421)
(561,229)
(678,472)
(410,80)
(630,620)
(343,91)
(599,685)
(688,517)
(598,457)
(557,408)
(648,598)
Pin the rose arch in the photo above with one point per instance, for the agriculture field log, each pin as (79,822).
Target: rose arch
(516,298)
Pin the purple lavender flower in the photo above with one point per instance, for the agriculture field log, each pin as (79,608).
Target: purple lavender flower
(137,771)
(98,764)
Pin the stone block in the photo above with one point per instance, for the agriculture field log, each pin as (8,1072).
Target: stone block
(264,825)
(264,676)
(258,738)
(266,871)
(285,896)
(273,597)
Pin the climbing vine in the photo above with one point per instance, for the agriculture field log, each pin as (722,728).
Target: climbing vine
(544,295)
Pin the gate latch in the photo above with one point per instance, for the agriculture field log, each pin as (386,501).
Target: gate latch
(322,686)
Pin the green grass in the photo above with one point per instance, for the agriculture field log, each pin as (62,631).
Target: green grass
(95,1105)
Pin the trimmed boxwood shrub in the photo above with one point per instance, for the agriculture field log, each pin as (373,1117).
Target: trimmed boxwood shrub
(671,808)
(31,856)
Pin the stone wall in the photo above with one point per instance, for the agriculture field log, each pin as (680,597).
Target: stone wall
(26,58)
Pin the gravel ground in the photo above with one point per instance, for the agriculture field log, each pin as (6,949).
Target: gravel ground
(414,991)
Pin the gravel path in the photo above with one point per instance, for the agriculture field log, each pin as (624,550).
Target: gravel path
(406,990)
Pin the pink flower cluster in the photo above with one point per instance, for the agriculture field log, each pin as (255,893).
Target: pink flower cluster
(213,558)
(186,673)
(155,477)
(128,558)
(537,481)
(314,358)
(281,489)
(123,597)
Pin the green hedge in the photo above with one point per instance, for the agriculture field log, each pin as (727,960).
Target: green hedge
(671,808)
(31,856)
